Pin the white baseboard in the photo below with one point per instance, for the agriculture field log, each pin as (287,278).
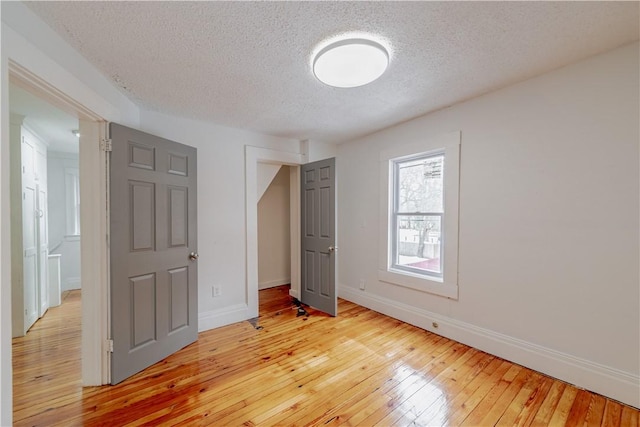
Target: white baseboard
(222,317)
(610,382)
(272,283)
(294,294)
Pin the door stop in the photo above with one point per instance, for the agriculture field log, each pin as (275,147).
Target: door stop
(301,310)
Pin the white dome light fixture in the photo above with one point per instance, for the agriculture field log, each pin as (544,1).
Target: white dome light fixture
(350,63)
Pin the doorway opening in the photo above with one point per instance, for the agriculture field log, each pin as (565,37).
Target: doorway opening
(274,234)
(275,160)
(45,201)
(86,182)
(45,213)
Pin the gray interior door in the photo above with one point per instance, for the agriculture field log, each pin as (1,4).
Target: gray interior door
(318,230)
(153,249)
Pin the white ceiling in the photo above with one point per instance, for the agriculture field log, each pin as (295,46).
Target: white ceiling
(49,122)
(248,64)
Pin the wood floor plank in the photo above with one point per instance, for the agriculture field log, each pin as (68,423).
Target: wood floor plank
(361,405)
(595,411)
(427,393)
(360,368)
(544,414)
(398,395)
(579,409)
(452,387)
(491,396)
(329,374)
(561,414)
(468,398)
(354,384)
(506,398)
(612,414)
(533,404)
(629,417)
(517,405)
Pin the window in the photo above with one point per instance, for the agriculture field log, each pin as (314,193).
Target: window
(419,207)
(417,214)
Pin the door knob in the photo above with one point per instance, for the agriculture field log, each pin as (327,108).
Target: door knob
(333,248)
(193,256)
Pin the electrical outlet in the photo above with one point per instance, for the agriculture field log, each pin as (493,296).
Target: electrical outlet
(216,291)
(362,284)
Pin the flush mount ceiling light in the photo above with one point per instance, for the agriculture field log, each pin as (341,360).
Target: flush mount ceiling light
(350,63)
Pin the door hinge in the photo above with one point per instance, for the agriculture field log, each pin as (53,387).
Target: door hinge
(110,346)
(106,144)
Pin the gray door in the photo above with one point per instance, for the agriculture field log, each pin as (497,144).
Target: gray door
(153,249)
(318,229)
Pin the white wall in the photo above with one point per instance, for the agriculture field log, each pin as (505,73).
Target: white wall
(318,150)
(274,237)
(221,209)
(548,247)
(6,373)
(59,241)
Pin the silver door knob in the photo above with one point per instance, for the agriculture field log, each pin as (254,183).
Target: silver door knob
(333,248)
(193,256)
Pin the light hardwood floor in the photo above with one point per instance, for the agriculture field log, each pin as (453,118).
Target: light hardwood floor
(360,368)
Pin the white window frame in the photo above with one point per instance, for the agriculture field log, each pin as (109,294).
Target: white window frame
(447,284)
(395,215)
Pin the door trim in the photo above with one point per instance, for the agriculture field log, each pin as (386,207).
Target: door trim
(253,156)
(94,226)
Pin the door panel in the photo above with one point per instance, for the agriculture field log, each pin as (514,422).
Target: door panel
(318,236)
(178,216)
(153,231)
(143,215)
(143,307)
(178,285)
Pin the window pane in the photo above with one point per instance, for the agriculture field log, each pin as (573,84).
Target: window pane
(418,242)
(420,185)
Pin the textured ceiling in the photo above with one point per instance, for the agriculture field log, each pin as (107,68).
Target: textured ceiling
(248,64)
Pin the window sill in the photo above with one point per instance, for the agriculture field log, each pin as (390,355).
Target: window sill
(428,284)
